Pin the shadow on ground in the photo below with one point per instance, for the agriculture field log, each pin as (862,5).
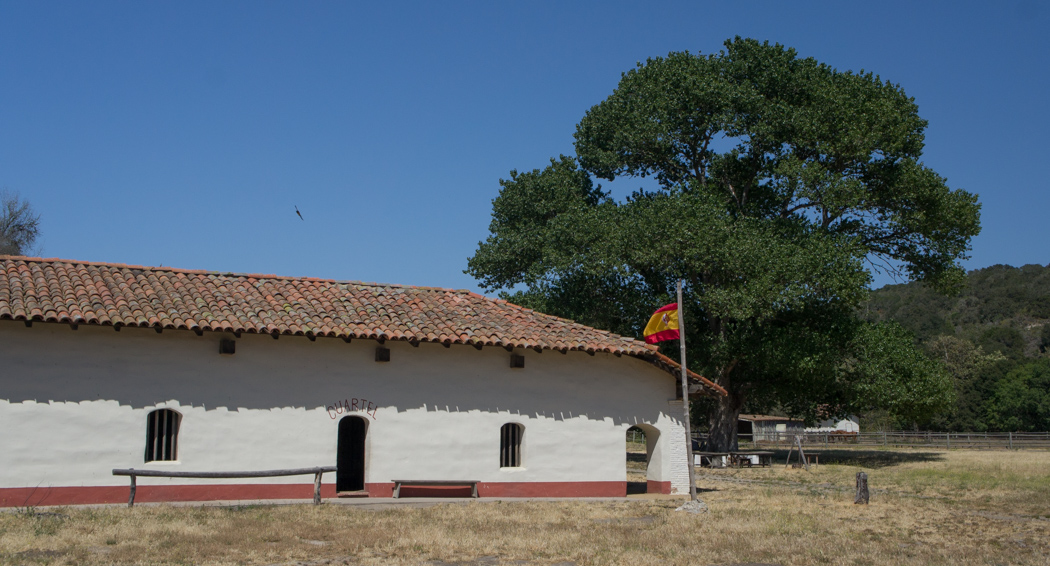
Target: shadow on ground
(862,458)
(636,457)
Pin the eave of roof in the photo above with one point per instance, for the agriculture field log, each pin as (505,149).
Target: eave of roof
(108,294)
(761,418)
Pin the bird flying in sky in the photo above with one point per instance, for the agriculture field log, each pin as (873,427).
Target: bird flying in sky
(299,213)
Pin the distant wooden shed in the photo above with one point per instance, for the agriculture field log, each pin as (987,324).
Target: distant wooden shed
(768,428)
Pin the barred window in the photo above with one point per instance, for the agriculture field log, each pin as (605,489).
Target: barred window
(510,436)
(162,435)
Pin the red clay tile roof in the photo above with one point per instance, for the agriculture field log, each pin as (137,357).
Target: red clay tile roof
(77,292)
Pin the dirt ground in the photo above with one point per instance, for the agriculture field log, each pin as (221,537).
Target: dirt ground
(927,507)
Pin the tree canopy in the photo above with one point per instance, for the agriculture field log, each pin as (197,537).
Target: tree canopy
(19,226)
(782,183)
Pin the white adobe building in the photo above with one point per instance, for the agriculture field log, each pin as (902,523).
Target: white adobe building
(107,366)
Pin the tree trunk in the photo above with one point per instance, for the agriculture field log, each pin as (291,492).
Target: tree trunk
(723,422)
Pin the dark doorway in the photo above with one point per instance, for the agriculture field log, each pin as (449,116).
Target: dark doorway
(350,461)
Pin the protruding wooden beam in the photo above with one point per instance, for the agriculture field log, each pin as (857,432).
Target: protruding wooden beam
(73,325)
(478,345)
(116,327)
(509,348)
(198,331)
(347,339)
(275,334)
(380,340)
(311,337)
(414,343)
(29,323)
(237,333)
(589,352)
(447,344)
(159,329)
(539,350)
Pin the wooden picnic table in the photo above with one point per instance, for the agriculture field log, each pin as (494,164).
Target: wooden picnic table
(712,457)
(742,459)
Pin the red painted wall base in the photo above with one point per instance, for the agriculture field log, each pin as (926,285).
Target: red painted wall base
(663,487)
(44,496)
(37,496)
(511,489)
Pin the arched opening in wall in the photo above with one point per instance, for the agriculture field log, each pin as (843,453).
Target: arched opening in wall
(641,442)
(162,435)
(510,436)
(350,459)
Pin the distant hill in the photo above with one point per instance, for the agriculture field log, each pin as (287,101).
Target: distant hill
(994,336)
(998,296)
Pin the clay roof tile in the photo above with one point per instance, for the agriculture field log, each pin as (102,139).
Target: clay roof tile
(162,297)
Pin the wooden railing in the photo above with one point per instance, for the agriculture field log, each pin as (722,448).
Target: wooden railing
(902,439)
(227,475)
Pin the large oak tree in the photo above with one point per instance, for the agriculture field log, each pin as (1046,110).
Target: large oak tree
(782,183)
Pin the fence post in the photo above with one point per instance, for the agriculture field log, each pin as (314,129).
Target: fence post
(1011,440)
(131,497)
(884,438)
(317,488)
(862,489)
(949,437)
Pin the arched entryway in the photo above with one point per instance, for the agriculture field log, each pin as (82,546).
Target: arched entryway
(350,460)
(641,444)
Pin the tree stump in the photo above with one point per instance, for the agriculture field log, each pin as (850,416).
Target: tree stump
(862,489)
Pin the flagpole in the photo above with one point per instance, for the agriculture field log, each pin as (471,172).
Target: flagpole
(685,397)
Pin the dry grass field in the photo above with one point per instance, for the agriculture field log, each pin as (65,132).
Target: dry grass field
(926,507)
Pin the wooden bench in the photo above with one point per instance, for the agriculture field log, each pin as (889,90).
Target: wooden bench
(743,459)
(472,484)
(317,471)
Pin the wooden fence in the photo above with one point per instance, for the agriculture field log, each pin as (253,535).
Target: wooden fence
(906,439)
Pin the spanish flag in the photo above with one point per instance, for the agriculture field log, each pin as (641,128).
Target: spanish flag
(663,325)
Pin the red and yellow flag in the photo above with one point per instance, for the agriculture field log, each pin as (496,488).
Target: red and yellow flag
(663,325)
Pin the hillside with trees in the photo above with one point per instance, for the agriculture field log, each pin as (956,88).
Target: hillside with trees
(994,338)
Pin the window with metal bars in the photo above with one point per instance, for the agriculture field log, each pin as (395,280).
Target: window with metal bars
(162,435)
(510,445)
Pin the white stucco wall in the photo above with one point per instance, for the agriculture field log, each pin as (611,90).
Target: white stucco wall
(73,406)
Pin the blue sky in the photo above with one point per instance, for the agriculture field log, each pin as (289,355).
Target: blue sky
(185,133)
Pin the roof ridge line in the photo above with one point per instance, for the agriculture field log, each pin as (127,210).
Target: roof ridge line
(169,269)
